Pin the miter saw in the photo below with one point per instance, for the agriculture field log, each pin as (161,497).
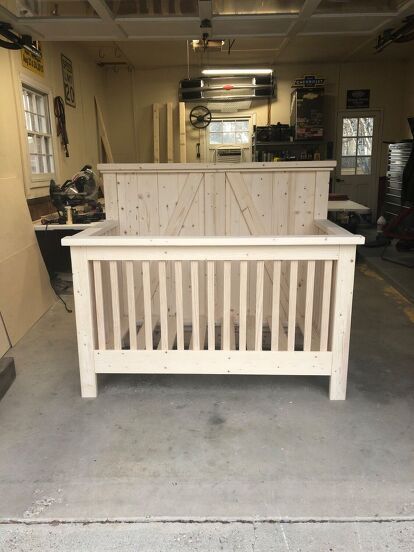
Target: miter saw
(76,201)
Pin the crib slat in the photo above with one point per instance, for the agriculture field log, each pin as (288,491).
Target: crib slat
(146,284)
(195,303)
(275,306)
(326,303)
(116,311)
(243,306)
(142,332)
(225,340)
(162,274)
(179,304)
(171,333)
(203,328)
(210,306)
(132,317)
(293,283)
(259,305)
(310,285)
(99,302)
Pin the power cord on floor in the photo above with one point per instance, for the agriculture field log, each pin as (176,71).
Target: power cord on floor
(52,282)
(64,303)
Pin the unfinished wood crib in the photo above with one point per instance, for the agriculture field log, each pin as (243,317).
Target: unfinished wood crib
(214,269)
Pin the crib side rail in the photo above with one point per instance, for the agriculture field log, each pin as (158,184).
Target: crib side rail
(206,305)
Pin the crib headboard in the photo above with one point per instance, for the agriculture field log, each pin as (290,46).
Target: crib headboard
(217,200)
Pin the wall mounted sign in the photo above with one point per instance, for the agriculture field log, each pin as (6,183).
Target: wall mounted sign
(68,82)
(309,81)
(357,99)
(31,62)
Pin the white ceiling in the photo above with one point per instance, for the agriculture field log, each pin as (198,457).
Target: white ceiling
(265,31)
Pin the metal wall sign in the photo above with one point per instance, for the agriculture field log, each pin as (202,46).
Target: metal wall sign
(68,82)
(357,99)
(33,63)
(309,81)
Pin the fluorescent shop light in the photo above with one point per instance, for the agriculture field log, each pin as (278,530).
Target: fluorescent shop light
(219,72)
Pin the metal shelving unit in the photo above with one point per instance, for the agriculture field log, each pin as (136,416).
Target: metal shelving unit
(398,155)
(294,148)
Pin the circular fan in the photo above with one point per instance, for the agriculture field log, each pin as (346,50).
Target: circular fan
(200,116)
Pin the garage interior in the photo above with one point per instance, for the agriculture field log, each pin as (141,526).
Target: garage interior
(204,462)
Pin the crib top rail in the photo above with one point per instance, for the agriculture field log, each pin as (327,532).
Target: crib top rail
(284,166)
(331,234)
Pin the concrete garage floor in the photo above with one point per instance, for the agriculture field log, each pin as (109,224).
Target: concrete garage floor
(241,454)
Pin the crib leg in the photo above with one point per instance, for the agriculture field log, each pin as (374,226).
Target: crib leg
(85,323)
(341,321)
(337,383)
(88,381)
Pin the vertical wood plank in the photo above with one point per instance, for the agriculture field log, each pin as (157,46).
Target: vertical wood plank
(183,145)
(280,199)
(156,131)
(116,310)
(210,307)
(321,195)
(195,303)
(111,196)
(132,317)
(293,282)
(179,304)
(259,305)
(310,286)
(83,296)
(170,143)
(146,285)
(341,320)
(103,133)
(275,306)
(326,303)
(99,304)
(162,274)
(225,345)
(243,306)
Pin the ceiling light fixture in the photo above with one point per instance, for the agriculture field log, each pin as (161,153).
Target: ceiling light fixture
(223,72)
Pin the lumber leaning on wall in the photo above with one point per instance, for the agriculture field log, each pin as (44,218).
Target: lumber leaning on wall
(4,340)
(25,291)
(183,144)
(156,131)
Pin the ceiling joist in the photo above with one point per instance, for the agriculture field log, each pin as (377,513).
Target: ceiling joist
(169,20)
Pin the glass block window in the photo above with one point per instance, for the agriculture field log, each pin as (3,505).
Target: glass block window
(357,133)
(39,135)
(229,132)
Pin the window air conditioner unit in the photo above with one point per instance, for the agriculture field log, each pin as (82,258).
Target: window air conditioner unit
(229,155)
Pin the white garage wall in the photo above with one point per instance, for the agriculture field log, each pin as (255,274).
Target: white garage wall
(130,95)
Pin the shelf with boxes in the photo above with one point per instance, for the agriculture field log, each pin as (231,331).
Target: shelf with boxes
(276,144)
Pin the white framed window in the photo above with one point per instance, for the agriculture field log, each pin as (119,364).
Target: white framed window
(357,138)
(229,139)
(235,132)
(38,130)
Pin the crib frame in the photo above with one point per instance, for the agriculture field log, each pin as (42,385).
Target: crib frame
(134,308)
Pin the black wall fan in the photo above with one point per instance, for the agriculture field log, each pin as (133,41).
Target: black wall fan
(404,33)
(16,42)
(200,116)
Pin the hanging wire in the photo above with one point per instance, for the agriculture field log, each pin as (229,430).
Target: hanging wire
(188,61)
